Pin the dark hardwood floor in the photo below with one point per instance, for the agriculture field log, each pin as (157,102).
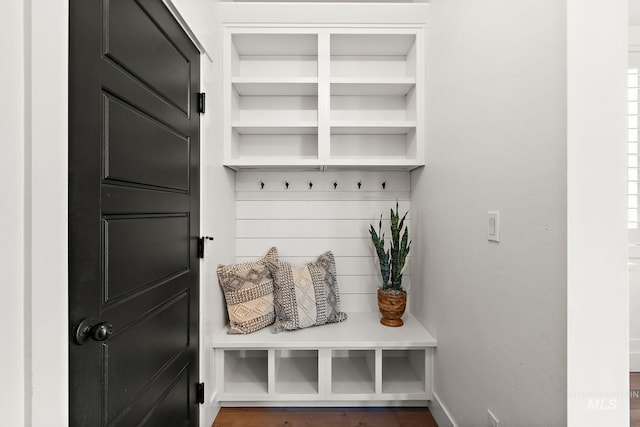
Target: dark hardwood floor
(324,417)
(360,417)
(634,396)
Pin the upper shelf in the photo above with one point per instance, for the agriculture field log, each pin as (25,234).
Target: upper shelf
(372,127)
(275,128)
(372,86)
(276,86)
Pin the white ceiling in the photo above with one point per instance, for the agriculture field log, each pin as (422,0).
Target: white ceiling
(634,5)
(348,1)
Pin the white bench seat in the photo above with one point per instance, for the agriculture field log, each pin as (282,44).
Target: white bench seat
(360,330)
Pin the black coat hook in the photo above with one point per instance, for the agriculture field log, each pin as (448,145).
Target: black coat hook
(359,184)
(335,185)
(310,185)
(384,185)
(286,184)
(261,185)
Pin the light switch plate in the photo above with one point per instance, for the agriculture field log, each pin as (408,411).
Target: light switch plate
(494,226)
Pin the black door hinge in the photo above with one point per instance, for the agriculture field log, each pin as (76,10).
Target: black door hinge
(201,245)
(201,102)
(200,393)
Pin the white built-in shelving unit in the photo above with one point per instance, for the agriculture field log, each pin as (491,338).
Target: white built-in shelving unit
(350,98)
(324,97)
(357,362)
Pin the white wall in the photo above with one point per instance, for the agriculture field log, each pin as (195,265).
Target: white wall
(46,232)
(218,207)
(634,309)
(201,20)
(634,237)
(634,12)
(597,276)
(496,141)
(34,194)
(46,210)
(12,369)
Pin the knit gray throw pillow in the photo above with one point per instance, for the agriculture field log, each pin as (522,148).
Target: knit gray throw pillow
(248,291)
(305,295)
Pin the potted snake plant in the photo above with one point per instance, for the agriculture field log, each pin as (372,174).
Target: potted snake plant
(392,298)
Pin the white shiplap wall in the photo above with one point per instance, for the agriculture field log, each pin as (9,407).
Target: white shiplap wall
(304,222)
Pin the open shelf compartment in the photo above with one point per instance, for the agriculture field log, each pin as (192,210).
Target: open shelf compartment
(276,147)
(404,371)
(373,55)
(245,371)
(296,371)
(361,144)
(275,55)
(353,371)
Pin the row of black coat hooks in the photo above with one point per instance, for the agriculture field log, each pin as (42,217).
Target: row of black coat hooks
(335,185)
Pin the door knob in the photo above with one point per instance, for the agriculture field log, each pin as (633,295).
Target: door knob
(88,328)
(101,331)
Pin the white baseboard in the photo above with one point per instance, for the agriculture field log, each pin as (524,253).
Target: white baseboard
(634,355)
(440,413)
(634,362)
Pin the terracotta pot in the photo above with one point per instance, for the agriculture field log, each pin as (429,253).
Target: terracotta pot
(392,305)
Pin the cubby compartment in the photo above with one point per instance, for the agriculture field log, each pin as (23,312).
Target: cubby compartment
(296,371)
(404,371)
(353,371)
(381,56)
(374,108)
(282,147)
(264,55)
(261,107)
(372,147)
(245,371)
(287,109)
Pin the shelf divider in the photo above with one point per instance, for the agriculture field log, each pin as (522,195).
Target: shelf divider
(271,371)
(324,95)
(378,378)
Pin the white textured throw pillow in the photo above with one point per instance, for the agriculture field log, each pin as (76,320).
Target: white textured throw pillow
(305,295)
